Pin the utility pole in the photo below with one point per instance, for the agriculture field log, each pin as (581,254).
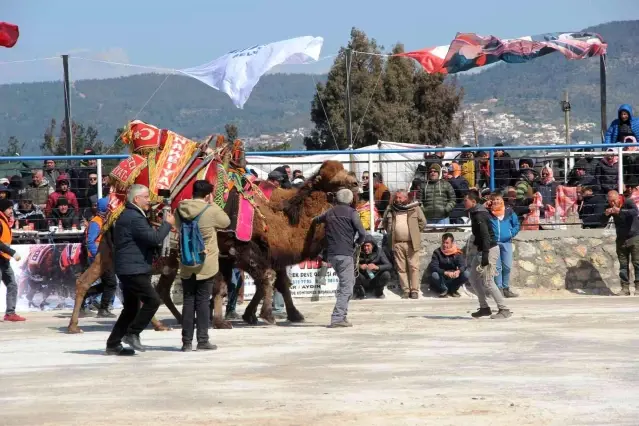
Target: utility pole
(475,131)
(67,105)
(349,126)
(602,83)
(565,106)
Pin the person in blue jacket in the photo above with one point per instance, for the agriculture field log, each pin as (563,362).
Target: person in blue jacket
(108,281)
(623,126)
(505,225)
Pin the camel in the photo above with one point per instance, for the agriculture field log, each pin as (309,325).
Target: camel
(283,235)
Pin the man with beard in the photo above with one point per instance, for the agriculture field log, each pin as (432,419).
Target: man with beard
(403,223)
(134,242)
(626,218)
(484,254)
(623,126)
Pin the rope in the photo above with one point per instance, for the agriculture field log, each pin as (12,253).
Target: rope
(325,114)
(28,60)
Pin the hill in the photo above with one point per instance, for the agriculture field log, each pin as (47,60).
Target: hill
(532,91)
(517,103)
(279,102)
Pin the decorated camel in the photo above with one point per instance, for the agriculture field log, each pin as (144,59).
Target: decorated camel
(270,227)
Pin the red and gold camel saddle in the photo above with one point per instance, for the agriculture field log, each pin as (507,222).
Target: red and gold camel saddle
(164,160)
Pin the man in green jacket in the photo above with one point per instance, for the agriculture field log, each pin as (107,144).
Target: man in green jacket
(438,197)
(197,281)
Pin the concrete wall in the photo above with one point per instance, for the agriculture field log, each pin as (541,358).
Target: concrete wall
(578,260)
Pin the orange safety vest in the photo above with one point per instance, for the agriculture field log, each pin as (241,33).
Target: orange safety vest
(97,219)
(6,235)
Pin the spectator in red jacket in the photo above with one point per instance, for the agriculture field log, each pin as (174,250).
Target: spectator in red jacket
(62,190)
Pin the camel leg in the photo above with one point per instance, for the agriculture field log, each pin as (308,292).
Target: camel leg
(249,314)
(217,308)
(283,285)
(267,304)
(167,276)
(82,285)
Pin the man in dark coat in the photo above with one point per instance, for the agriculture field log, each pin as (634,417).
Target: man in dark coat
(626,217)
(504,168)
(591,208)
(607,172)
(135,241)
(579,176)
(374,270)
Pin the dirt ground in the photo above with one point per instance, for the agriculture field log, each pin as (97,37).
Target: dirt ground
(567,361)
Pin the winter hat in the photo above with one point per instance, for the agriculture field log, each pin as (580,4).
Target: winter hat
(435,166)
(62,202)
(276,176)
(4,181)
(103,204)
(5,204)
(528,161)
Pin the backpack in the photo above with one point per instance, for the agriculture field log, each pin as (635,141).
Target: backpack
(191,242)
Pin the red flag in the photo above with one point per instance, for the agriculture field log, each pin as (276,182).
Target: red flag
(431,59)
(9,34)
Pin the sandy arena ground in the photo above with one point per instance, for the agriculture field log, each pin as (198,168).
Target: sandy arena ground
(568,361)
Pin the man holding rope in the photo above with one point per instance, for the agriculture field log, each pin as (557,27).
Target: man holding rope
(342,226)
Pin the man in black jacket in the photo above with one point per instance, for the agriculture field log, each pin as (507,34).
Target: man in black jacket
(374,270)
(447,268)
(134,243)
(484,253)
(626,218)
(342,225)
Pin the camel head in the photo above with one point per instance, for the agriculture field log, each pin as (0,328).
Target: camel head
(330,178)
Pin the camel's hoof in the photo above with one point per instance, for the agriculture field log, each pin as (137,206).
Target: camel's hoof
(270,319)
(222,325)
(161,327)
(249,319)
(74,329)
(296,317)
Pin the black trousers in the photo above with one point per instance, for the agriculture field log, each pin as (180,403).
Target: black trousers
(196,308)
(133,318)
(107,286)
(376,284)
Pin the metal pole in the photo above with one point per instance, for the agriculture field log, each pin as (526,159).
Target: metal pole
(567,116)
(492,170)
(99,165)
(475,132)
(67,105)
(620,168)
(371,192)
(602,83)
(349,127)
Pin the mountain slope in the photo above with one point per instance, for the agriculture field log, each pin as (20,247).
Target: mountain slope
(278,103)
(532,91)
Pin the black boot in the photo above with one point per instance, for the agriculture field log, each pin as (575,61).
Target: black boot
(359,292)
(507,292)
(133,341)
(119,350)
(105,313)
(482,312)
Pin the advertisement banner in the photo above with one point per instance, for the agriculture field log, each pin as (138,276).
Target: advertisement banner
(45,276)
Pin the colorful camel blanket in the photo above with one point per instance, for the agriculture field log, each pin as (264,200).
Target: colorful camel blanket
(158,160)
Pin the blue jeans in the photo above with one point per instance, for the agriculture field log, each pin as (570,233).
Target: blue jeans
(278,303)
(441,283)
(504,264)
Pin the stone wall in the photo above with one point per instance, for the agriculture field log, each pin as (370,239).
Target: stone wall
(578,260)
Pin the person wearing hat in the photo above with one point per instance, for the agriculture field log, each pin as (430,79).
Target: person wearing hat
(580,177)
(344,232)
(6,254)
(438,197)
(63,213)
(524,185)
(62,190)
(623,126)
(4,182)
(28,213)
(5,193)
(284,180)
(504,168)
(108,281)
(607,171)
(275,178)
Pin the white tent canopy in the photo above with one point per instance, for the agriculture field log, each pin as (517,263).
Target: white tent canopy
(397,169)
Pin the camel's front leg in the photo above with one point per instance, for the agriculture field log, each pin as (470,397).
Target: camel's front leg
(168,274)
(219,292)
(267,304)
(82,285)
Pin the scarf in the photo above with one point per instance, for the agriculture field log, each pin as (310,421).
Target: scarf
(404,207)
(611,161)
(498,208)
(550,178)
(454,250)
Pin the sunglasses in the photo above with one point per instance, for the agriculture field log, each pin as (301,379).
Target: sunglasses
(92,178)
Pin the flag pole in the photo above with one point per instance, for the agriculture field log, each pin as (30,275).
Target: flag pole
(67,105)
(602,83)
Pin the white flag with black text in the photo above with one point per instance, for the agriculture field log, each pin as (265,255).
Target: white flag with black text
(237,72)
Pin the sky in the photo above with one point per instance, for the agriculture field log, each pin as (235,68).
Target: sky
(173,35)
